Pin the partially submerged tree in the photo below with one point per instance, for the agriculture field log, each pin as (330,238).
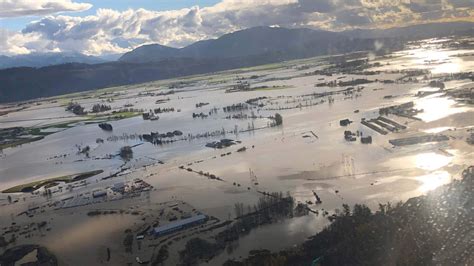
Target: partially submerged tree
(436,84)
(84,150)
(126,153)
(278,119)
(75,108)
(97,108)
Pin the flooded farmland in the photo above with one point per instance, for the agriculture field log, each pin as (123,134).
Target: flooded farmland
(223,144)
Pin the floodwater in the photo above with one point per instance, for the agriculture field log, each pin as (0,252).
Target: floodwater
(435,107)
(293,231)
(307,153)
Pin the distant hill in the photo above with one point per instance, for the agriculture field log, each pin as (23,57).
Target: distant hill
(29,83)
(250,47)
(262,40)
(293,42)
(110,57)
(47,59)
(149,53)
(253,41)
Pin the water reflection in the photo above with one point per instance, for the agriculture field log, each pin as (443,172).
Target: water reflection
(439,61)
(435,108)
(433,180)
(275,237)
(430,172)
(427,161)
(437,129)
(431,161)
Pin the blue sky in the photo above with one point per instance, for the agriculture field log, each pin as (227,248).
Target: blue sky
(119,5)
(158,5)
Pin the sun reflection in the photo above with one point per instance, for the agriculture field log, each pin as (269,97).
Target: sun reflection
(431,161)
(439,61)
(451,67)
(437,129)
(433,180)
(435,108)
(431,55)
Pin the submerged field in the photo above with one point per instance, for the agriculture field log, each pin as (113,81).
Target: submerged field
(214,143)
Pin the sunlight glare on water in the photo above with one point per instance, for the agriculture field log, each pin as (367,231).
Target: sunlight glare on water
(437,129)
(440,61)
(431,55)
(431,161)
(433,180)
(435,108)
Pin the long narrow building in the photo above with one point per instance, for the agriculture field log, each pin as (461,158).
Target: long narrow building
(177,225)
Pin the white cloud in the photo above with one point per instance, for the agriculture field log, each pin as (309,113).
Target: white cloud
(110,31)
(12,43)
(19,8)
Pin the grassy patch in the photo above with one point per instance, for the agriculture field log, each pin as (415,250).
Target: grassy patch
(113,116)
(60,125)
(19,142)
(262,67)
(38,134)
(124,115)
(270,88)
(259,88)
(30,187)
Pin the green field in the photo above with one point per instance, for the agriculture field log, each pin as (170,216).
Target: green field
(19,142)
(30,187)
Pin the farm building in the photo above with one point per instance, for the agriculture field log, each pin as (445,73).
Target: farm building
(99,193)
(174,226)
(344,122)
(120,186)
(366,140)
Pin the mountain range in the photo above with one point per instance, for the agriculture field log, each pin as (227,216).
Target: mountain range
(249,42)
(47,59)
(249,47)
(305,42)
